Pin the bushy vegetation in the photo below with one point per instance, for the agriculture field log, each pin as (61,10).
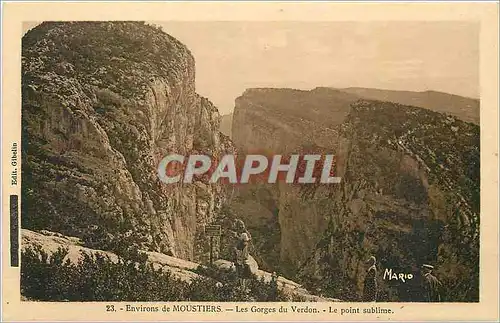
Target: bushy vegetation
(96,277)
(119,55)
(448,147)
(418,174)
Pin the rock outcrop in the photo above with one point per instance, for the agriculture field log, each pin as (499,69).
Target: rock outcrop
(50,242)
(409,192)
(285,121)
(185,270)
(102,104)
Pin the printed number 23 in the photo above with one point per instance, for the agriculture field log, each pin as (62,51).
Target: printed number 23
(110,308)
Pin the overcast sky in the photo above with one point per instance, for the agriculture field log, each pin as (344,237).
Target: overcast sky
(233,56)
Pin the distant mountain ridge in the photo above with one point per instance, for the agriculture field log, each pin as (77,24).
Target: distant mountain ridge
(463,108)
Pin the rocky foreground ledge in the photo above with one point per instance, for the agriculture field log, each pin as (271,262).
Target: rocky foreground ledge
(182,269)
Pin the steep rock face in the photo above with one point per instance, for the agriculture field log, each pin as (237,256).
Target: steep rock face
(103,103)
(285,121)
(292,118)
(226,124)
(409,194)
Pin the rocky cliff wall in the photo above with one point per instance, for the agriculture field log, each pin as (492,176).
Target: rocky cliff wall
(409,194)
(102,104)
(285,121)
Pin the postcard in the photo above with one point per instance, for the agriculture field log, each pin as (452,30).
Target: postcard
(249,161)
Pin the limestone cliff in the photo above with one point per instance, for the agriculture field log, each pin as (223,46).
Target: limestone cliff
(284,121)
(226,124)
(409,192)
(102,104)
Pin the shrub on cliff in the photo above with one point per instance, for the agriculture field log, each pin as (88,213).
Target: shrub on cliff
(229,290)
(96,277)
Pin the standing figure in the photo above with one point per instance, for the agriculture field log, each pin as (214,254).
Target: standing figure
(241,257)
(239,228)
(432,286)
(233,236)
(370,286)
